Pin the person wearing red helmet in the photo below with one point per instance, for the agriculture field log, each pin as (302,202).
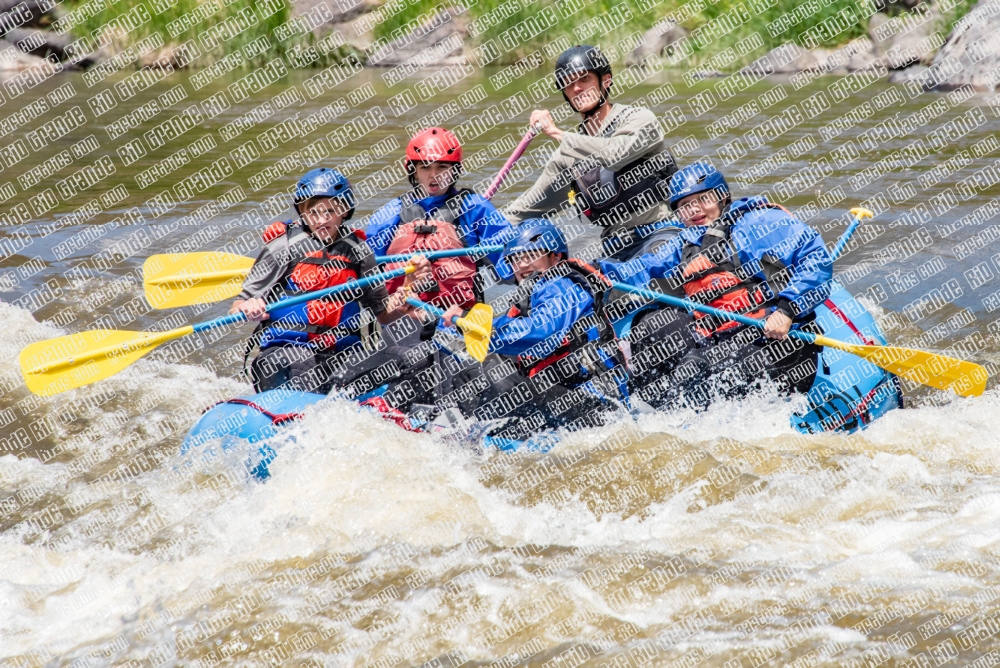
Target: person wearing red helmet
(436,215)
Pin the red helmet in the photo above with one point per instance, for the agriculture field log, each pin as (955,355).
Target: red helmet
(434,145)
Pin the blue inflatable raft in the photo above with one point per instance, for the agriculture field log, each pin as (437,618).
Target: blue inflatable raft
(847,394)
(254,419)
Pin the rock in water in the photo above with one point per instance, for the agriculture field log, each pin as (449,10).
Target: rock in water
(971,54)
(788,58)
(915,73)
(13,59)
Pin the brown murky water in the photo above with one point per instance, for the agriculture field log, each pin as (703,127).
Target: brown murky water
(716,539)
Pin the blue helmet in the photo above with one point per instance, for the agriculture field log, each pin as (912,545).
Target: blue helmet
(324,182)
(696,178)
(536,234)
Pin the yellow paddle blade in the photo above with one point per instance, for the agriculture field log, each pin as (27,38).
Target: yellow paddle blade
(944,373)
(478,328)
(182,279)
(61,364)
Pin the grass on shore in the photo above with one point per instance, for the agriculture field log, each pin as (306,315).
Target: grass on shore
(747,39)
(575,21)
(298,50)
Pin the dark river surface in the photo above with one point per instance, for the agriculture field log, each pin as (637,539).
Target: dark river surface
(723,538)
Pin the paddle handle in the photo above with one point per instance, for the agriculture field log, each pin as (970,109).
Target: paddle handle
(518,152)
(689,305)
(436,255)
(859,214)
(437,313)
(309,296)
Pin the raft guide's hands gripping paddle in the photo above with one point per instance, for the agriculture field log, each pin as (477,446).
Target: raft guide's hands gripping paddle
(67,362)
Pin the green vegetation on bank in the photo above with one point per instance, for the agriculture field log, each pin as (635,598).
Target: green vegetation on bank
(713,28)
(249,32)
(723,35)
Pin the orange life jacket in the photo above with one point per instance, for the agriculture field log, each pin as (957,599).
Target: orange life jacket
(711,275)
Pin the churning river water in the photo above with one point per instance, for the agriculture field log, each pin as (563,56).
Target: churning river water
(722,538)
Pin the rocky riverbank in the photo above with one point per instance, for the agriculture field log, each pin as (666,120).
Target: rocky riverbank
(941,45)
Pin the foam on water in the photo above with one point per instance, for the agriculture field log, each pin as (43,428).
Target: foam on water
(908,505)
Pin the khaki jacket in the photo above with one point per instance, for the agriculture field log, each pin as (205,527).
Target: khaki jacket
(638,134)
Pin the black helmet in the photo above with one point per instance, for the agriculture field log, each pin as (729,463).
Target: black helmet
(578,60)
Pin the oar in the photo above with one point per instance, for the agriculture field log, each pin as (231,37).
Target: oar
(944,373)
(67,362)
(182,279)
(505,170)
(477,326)
(859,213)
(437,255)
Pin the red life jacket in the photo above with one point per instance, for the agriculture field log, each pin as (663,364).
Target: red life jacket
(711,274)
(319,270)
(312,321)
(422,231)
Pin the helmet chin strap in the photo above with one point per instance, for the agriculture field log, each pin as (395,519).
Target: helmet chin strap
(593,110)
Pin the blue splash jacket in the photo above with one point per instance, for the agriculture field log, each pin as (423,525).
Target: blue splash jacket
(757,230)
(556,305)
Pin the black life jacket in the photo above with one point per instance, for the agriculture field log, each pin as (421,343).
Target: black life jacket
(608,198)
(580,351)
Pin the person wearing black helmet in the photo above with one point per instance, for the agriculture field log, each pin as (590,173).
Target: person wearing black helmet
(616,165)
(747,256)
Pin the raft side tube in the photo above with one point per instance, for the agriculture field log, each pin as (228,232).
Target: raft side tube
(848,392)
(251,419)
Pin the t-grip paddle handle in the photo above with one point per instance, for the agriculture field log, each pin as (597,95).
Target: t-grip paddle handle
(438,313)
(859,213)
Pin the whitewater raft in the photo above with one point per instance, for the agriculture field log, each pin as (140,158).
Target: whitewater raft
(847,394)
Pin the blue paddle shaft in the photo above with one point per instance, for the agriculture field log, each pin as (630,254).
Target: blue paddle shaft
(844,239)
(689,305)
(306,297)
(437,255)
(430,308)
